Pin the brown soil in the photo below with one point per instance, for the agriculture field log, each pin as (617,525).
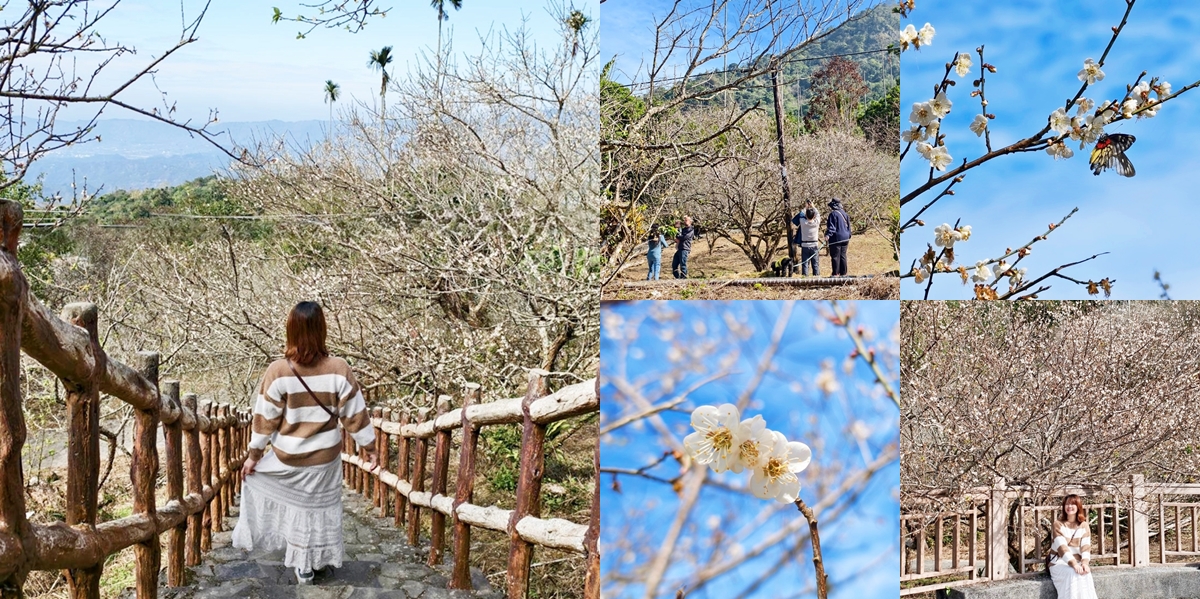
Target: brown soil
(709,267)
(878,288)
(869,254)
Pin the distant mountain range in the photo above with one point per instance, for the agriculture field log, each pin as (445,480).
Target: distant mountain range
(134,154)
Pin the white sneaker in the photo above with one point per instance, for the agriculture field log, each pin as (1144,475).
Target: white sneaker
(303,578)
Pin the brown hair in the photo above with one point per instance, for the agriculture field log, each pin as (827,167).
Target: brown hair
(1080,518)
(306,334)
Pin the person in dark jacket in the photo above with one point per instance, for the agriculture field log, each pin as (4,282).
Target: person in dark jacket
(837,237)
(683,246)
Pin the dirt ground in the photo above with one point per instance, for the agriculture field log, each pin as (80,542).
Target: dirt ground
(869,254)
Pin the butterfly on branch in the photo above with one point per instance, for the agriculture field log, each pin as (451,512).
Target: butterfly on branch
(1110,153)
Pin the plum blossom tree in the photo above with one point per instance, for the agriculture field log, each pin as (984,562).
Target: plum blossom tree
(1080,119)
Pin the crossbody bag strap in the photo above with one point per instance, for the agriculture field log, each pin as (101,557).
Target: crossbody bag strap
(331,413)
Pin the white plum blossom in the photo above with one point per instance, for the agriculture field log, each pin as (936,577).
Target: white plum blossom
(917,133)
(1058,149)
(775,477)
(755,442)
(1128,107)
(1016,275)
(920,274)
(982,274)
(908,37)
(940,105)
(1084,105)
(962,64)
(925,35)
(925,150)
(716,437)
(1141,91)
(940,158)
(922,114)
(1163,89)
(1059,121)
(1091,72)
(965,231)
(979,125)
(723,443)
(945,236)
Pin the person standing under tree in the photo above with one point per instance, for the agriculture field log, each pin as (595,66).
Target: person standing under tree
(292,495)
(837,237)
(808,235)
(683,246)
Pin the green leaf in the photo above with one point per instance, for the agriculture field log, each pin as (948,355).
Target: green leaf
(278,15)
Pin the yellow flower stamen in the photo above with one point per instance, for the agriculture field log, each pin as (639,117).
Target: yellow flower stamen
(721,439)
(749,452)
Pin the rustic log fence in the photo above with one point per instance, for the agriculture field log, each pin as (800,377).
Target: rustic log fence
(209,439)
(1135,524)
(403,445)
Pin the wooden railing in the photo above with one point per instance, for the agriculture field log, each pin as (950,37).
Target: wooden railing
(398,488)
(1134,524)
(208,438)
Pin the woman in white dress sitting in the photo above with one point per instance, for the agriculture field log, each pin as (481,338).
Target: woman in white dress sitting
(1070,552)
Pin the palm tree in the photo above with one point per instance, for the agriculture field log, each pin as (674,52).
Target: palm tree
(440,5)
(332,92)
(380,60)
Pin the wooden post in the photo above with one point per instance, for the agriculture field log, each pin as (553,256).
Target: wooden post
(1139,529)
(195,481)
(529,489)
(83,448)
(206,451)
(385,459)
(401,508)
(441,464)
(377,412)
(464,493)
(13,293)
(591,580)
(997,532)
(218,471)
(144,475)
(226,464)
(173,437)
(418,484)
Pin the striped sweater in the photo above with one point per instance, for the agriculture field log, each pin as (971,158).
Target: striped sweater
(304,434)
(1070,545)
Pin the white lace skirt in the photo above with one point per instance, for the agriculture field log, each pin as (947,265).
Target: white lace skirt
(294,508)
(1069,584)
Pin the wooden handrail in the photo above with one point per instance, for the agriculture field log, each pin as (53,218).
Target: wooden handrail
(524,525)
(69,347)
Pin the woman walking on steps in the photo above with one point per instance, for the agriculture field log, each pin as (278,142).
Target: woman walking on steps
(292,495)
(1070,552)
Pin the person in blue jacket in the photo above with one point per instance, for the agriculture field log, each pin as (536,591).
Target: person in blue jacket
(837,237)
(654,252)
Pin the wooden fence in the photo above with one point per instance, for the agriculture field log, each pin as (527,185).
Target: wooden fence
(399,487)
(1135,524)
(210,439)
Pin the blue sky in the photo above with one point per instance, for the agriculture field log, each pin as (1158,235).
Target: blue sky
(1147,222)
(253,70)
(638,348)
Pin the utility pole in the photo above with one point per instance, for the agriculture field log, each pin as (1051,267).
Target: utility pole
(783,174)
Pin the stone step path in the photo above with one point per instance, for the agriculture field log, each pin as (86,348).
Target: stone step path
(379,564)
